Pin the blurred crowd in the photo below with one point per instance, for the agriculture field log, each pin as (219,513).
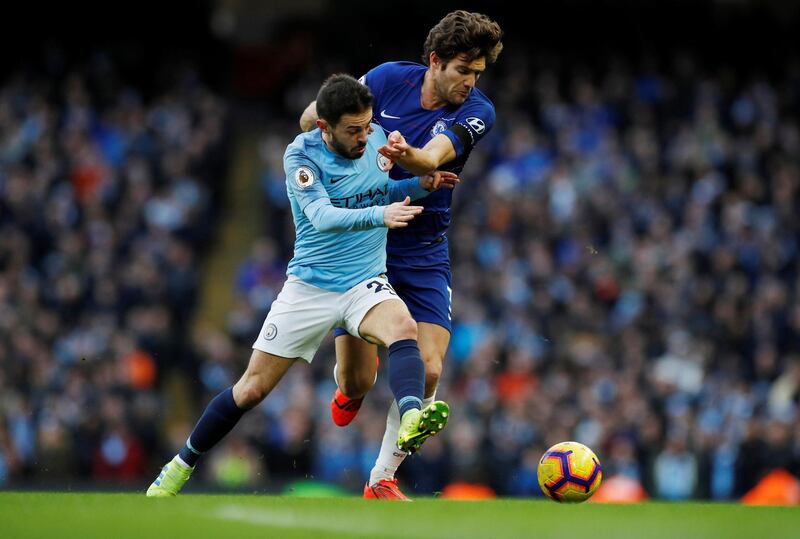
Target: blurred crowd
(625,274)
(107,198)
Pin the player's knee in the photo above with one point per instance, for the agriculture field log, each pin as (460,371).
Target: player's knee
(404,328)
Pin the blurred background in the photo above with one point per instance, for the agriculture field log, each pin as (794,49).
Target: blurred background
(625,244)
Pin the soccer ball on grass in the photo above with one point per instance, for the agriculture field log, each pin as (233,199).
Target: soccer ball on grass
(569,472)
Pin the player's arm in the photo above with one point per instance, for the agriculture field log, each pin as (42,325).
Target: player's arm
(421,186)
(315,203)
(303,182)
(308,120)
(470,126)
(438,151)
(327,218)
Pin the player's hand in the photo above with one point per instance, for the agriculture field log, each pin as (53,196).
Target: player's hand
(438,179)
(396,146)
(398,214)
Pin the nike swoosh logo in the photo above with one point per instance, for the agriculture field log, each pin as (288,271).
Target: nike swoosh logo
(388,116)
(335,180)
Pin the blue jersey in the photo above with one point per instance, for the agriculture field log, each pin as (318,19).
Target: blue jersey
(397,88)
(337,205)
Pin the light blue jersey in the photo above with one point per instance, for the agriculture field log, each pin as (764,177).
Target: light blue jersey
(337,205)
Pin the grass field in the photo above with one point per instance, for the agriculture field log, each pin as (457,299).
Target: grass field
(86,516)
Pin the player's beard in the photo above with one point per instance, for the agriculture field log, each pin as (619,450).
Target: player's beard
(344,151)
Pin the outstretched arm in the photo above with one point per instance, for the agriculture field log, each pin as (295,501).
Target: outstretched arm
(438,151)
(327,218)
(421,186)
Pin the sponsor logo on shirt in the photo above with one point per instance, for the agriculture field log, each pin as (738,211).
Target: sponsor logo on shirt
(365,199)
(476,124)
(388,116)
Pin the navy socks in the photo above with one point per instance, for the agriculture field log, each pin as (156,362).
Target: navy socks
(406,375)
(406,379)
(220,416)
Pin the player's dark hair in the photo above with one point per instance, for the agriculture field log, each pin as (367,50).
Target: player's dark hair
(342,94)
(462,32)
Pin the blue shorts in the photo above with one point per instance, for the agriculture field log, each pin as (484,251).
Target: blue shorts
(425,289)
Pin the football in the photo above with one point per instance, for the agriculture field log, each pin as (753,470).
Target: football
(569,472)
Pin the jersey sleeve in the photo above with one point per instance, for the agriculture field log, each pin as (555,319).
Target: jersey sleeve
(472,123)
(327,218)
(399,189)
(376,79)
(303,179)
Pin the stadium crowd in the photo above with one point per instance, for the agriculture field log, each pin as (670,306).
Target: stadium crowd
(107,199)
(625,274)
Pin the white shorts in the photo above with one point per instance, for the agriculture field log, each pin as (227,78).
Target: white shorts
(303,314)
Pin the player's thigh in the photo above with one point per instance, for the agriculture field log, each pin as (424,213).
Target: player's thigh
(375,312)
(387,322)
(263,373)
(426,292)
(355,355)
(300,317)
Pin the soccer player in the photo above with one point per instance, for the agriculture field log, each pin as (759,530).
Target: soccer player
(442,115)
(340,194)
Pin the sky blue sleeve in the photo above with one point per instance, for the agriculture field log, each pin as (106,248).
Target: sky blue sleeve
(399,189)
(303,179)
(327,218)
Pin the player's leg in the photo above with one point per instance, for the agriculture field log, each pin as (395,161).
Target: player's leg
(355,372)
(263,373)
(428,298)
(433,342)
(298,320)
(356,367)
(389,323)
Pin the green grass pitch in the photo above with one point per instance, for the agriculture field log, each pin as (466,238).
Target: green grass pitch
(85,516)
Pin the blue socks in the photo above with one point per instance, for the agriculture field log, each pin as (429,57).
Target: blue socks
(406,375)
(220,417)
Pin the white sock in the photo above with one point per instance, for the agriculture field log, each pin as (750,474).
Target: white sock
(335,372)
(390,458)
(182,463)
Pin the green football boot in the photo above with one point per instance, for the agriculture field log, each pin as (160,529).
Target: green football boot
(416,426)
(170,481)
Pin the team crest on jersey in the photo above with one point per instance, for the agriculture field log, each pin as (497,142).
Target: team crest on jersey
(476,124)
(438,127)
(384,163)
(270,332)
(304,177)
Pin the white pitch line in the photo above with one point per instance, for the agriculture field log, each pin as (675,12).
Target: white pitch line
(294,520)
